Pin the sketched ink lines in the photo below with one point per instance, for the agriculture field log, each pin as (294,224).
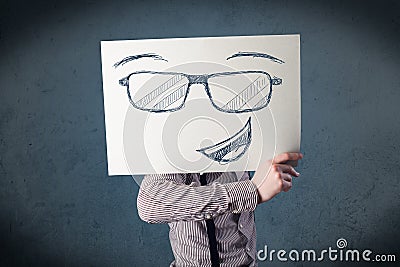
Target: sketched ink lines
(135,57)
(177,86)
(168,92)
(148,98)
(256,54)
(240,140)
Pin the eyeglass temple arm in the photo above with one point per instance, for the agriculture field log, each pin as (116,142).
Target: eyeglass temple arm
(276,81)
(124,81)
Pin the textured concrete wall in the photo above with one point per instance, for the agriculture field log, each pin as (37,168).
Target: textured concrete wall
(58,207)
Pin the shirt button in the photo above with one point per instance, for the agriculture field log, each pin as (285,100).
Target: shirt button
(208,216)
(241,225)
(248,249)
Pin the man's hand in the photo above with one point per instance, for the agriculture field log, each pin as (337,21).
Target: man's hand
(275,176)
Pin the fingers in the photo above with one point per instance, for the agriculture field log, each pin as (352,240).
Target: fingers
(292,163)
(287,177)
(287,169)
(284,157)
(286,186)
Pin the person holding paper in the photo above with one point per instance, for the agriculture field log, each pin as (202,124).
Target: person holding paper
(189,208)
(215,104)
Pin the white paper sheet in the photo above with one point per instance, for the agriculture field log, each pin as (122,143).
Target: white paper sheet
(200,104)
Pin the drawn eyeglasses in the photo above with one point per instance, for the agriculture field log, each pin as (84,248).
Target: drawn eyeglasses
(231,92)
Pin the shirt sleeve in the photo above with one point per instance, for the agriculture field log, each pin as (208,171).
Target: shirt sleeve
(167,198)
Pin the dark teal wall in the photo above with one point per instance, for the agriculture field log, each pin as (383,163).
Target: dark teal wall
(58,207)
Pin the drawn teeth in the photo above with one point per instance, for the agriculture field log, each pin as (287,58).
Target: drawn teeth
(240,140)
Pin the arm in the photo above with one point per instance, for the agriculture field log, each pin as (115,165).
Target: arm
(166,198)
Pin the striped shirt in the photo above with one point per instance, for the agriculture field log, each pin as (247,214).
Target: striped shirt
(181,201)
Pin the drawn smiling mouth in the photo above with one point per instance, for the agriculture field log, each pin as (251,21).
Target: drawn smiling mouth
(230,149)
